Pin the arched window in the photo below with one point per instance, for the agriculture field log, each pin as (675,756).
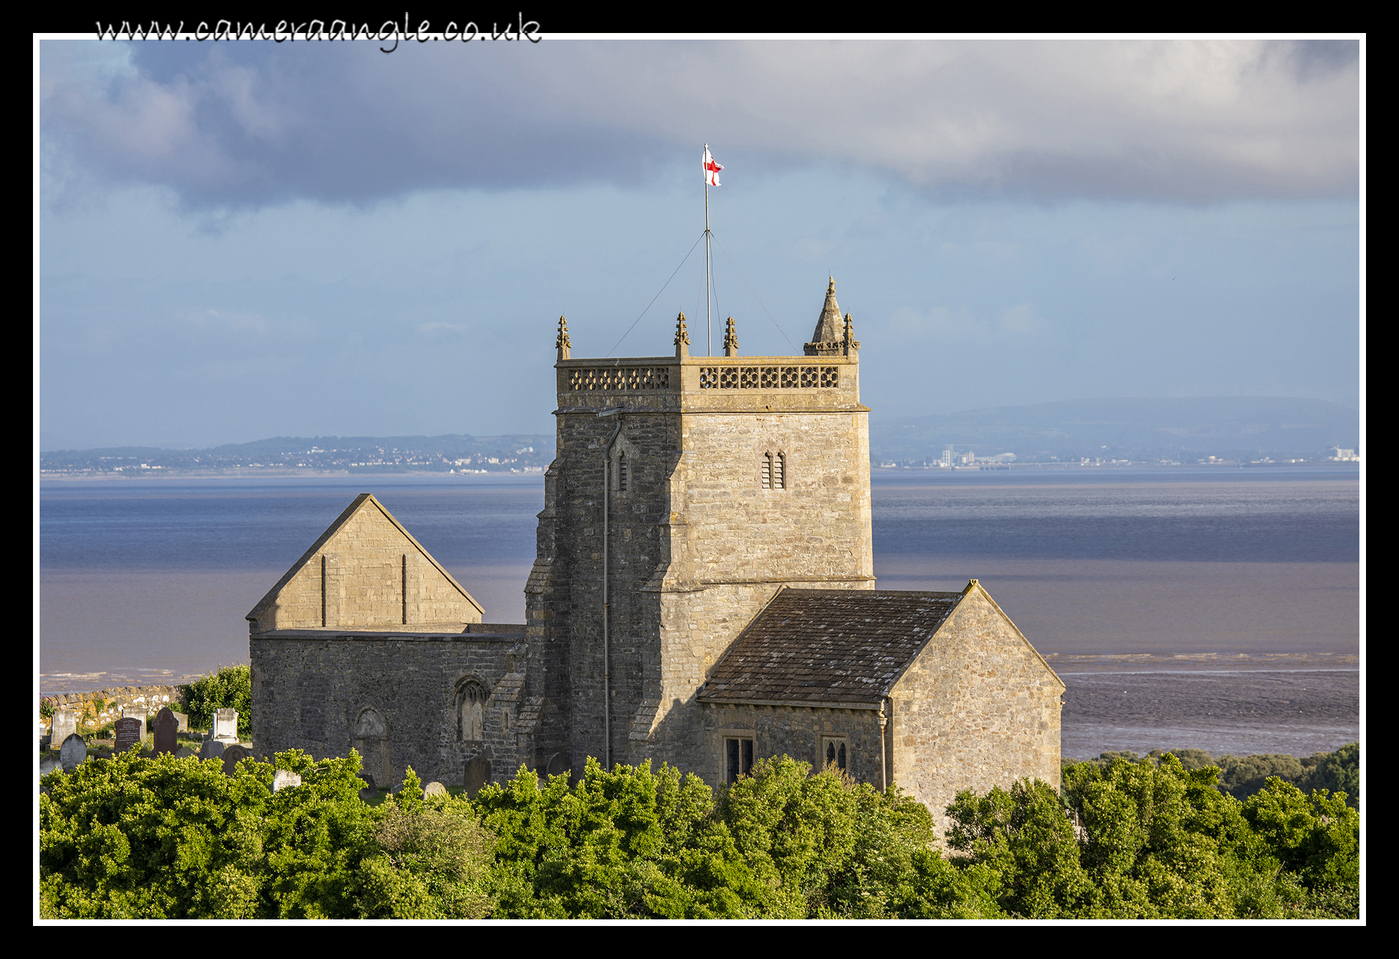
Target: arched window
(767,470)
(470,710)
(371,742)
(622,471)
(835,754)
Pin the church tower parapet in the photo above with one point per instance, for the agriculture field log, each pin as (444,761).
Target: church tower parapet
(709,483)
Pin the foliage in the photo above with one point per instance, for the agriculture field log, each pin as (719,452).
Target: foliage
(46,707)
(1316,838)
(1164,842)
(1022,846)
(229,688)
(166,837)
(433,860)
(781,843)
(1337,772)
(131,838)
(135,837)
(1242,776)
(827,847)
(625,843)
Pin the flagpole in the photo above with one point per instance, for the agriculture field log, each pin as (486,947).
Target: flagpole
(708,337)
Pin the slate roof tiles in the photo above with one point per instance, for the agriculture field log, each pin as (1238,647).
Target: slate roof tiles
(828,647)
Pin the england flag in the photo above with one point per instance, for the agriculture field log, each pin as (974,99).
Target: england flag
(711,169)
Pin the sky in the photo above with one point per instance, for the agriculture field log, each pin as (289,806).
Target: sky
(239,240)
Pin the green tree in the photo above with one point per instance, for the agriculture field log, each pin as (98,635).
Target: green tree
(1337,772)
(1161,842)
(168,837)
(433,860)
(315,837)
(134,838)
(229,688)
(1316,838)
(627,842)
(1021,850)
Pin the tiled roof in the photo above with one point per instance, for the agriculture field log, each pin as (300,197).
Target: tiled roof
(828,647)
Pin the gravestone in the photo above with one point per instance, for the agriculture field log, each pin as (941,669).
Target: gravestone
(284,778)
(48,764)
(212,749)
(232,754)
(62,724)
(478,773)
(129,731)
(136,713)
(166,726)
(435,789)
(226,725)
(72,753)
(182,719)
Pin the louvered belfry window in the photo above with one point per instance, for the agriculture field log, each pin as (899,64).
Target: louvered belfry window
(774,469)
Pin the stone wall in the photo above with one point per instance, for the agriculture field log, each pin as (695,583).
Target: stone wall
(797,732)
(365,572)
(396,697)
(979,707)
(742,475)
(150,698)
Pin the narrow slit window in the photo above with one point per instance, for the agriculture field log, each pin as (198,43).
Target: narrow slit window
(622,472)
(767,471)
(779,471)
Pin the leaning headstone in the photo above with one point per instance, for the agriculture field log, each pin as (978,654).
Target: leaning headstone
(136,713)
(128,733)
(212,749)
(478,773)
(435,789)
(231,755)
(283,778)
(72,753)
(62,724)
(226,725)
(166,727)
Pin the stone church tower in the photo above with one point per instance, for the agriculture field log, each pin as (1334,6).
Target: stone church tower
(686,492)
(702,595)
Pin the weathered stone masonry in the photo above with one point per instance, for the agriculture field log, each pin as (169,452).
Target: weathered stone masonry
(703,595)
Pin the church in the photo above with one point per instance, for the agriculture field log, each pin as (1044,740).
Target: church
(703,595)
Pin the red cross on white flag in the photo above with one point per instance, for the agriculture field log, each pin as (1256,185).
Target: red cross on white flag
(711,169)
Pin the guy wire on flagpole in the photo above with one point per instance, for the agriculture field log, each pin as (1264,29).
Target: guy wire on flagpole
(708,318)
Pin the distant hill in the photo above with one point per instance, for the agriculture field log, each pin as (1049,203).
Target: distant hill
(356,454)
(1137,429)
(1226,427)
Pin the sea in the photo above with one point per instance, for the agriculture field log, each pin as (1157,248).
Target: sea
(1208,607)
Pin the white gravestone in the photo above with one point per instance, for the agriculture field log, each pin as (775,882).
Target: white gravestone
(226,725)
(62,724)
(283,779)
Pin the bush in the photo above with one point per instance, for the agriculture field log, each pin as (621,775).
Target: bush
(230,688)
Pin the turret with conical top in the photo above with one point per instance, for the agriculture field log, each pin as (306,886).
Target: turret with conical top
(828,338)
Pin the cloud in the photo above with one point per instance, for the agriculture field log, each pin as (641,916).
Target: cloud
(257,123)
